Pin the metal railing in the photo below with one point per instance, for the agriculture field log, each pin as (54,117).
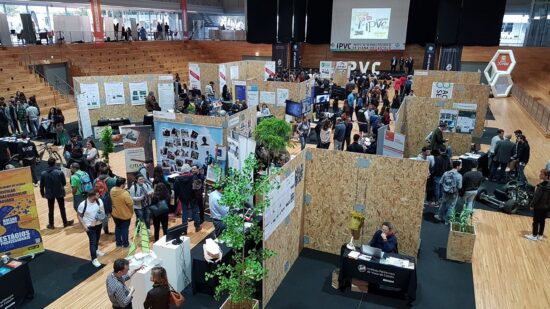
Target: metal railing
(538,110)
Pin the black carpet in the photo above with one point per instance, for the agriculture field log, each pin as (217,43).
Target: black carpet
(490,187)
(199,300)
(54,274)
(441,283)
(489,115)
(485,139)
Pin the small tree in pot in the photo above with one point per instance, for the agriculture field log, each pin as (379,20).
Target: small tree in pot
(240,277)
(273,135)
(106,140)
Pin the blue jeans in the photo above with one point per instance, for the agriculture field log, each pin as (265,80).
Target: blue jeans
(219,226)
(143,215)
(521,174)
(302,142)
(394,113)
(93,236)
(121,232)
(190,209)
(469,197)
(437,188)
(34,126)
(448,204)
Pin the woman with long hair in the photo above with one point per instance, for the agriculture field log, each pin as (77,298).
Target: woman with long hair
(160,202)
(92,156)
(159,296)
(325,135)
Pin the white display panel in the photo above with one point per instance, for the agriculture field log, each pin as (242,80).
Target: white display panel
(368,24)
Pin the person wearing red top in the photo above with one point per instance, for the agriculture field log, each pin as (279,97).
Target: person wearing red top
(402,84)
(397,85)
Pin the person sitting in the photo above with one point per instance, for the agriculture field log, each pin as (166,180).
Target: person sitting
(217,210)
(355,147)
(265,111)
(385,239)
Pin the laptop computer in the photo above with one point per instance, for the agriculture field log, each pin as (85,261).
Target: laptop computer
(372,251)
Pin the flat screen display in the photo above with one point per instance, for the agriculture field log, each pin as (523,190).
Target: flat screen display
(293,108)
(323,98)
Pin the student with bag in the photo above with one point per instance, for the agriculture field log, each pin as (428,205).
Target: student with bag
(451,183)
(159,208)
(123,211)
(80,184)
(103,184)
(162,295)
(90,215)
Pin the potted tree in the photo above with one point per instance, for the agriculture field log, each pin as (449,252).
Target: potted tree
(106,140)
(240,277)
(273,135)
(462,237)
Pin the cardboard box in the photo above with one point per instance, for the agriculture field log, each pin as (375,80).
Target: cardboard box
(359,286)
(335,275)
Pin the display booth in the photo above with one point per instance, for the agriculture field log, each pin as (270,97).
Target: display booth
(274,94)
(302,212)
(424,79)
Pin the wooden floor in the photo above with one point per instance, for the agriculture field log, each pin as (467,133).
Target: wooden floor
(509,271)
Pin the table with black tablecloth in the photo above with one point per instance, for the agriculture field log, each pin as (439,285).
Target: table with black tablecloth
(115,123)
(374,272)
(201,267)
(16,286)
(482,164)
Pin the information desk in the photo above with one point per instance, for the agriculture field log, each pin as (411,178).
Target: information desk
(115,123)
(468,161)
(375,272)
(15,285)
(201,267)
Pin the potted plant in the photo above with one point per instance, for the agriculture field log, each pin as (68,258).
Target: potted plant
(240,277)
(273,135)
(462,236)
(106,140)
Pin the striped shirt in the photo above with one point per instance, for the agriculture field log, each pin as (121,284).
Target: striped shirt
(117,291)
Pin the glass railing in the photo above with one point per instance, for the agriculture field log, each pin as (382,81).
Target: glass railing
(535,107)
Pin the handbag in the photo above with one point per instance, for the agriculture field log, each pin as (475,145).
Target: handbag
(159,209)
(175,297)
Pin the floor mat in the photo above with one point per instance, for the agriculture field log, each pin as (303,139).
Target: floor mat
(485,139)
(489,115)
(54,274)
(490,187)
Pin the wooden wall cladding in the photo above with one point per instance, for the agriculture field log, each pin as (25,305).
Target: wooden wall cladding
(390,189)
(249,69)
(296,91)
(422,84)
(209,72)
(134,112)
(422,116)
(286,239)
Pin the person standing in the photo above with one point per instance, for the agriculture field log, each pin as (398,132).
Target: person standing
(183,190)
(325,134)
(5,154)
(4,120)
(393,64)
(349,104)
(394,107)
(103,184)
(355,147)
(27,155)
(91,155)
(437,141)
(347,135)
(401,64)
(159,296)
(410,66)
(141,193)
(198,189)
(12,112)
(441,165)
(151,103)
(470,184)
(116,31)
(541,206)
(339,134)
(497,138)
(522,158)
(303,130)
(451,183)
(52,188)
(159,208)
(90,214)
(144,170)
(80,184)
(217,209)
(123,210)
(21,112)
(119,295)
(503,155)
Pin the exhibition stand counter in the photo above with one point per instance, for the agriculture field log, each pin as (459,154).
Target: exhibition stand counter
(16,284)
(176,259)
(201,267)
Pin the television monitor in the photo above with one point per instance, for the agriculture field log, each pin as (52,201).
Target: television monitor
(293,108)
(338,93)
(322,98)
(173,234)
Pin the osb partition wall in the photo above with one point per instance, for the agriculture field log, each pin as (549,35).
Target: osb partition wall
(296,91)
(209,73)
(383,188)
(422,84)
(246,123)
(422,116)
(199,120)
(286,239)
(134,112)
(278,111)
(247,69)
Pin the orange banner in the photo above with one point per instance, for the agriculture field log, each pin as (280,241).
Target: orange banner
(97,21)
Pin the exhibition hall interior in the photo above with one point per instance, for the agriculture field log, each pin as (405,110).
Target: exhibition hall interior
(274,154)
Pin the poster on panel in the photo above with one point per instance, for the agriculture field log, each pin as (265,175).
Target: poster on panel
(166,96)
(138,147)
(114,93)
(194,76)
(442,90)
(138,93)
(84,115)
(222,76)
(394,144)
(240,90)
(269,69)
(92,94)
(20,228)
(325,69)
(267,97)
(282,96)
(281,204)
(234,71)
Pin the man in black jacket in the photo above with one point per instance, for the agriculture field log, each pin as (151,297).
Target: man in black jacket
(503,155)
(183,191)
(355,147)
(28,154)
(52,187)
(198,189)
(441,165)
(522,158)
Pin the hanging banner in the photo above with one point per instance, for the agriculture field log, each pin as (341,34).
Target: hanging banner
(429,57)
(269,69)
(325,69)
(240,90)
(138,147)
(97,21)
(222,76)
(194,76)
(442,90)
(19,228)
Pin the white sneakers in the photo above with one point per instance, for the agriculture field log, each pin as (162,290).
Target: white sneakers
(96,263)
(533,237)
(100,253)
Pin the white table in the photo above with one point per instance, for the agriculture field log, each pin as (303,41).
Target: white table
(141,280)
(176,259)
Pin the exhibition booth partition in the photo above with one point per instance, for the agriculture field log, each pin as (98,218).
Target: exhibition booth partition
(307,212)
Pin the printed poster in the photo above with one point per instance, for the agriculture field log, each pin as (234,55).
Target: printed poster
(84,115)
(166,96)
(138,147)
(267,97)
(394,144)
(325,69)
(442,90)
(222,76)
(92,93)
(19,228)
(194,76)
(138,93)
(114,93)
(450,117)
(282,96)
(252,97)
(234,70)
(269,69)
(281,204)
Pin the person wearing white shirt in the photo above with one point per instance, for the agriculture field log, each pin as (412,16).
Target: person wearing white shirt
(265,111)
(34,119)
(217,210)
(425,156)
(89,215)
(497,138)
(210,90)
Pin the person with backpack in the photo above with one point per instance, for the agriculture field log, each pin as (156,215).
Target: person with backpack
(27,155)
(451,183)
(144,170)
(103,184)
(81,184)
(141,193)
(183,190)
(52,188)
(90,215)
(122,212)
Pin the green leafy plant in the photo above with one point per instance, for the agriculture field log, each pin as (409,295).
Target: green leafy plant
(463,220)
(106,140)
(239,278)
(274,135)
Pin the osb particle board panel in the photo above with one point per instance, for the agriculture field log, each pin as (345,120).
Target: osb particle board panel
(209,72)
(422,84)
(286,239)
(390,189)
(296,91)
(200,120)
(134,112)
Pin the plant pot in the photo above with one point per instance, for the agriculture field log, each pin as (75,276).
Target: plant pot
(460,245)
(251,304)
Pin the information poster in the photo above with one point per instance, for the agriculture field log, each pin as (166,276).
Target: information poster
(138,93)
(466,122)
(442,90)
(252,95)
(194,76)
(281,204)
(222,76)
(370,23)
(114,93)
(20,228)
(240,90)
(325,69)
(92,93)
(267,97)
(394,144)
(138,147)
(166,96)
(134,158)
(450,117)
(234,70)
(84,115)
(269,69)
(282,96)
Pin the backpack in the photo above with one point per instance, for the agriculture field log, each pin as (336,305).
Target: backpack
(429,137)
(448,181)
(85,182)
(103,190)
